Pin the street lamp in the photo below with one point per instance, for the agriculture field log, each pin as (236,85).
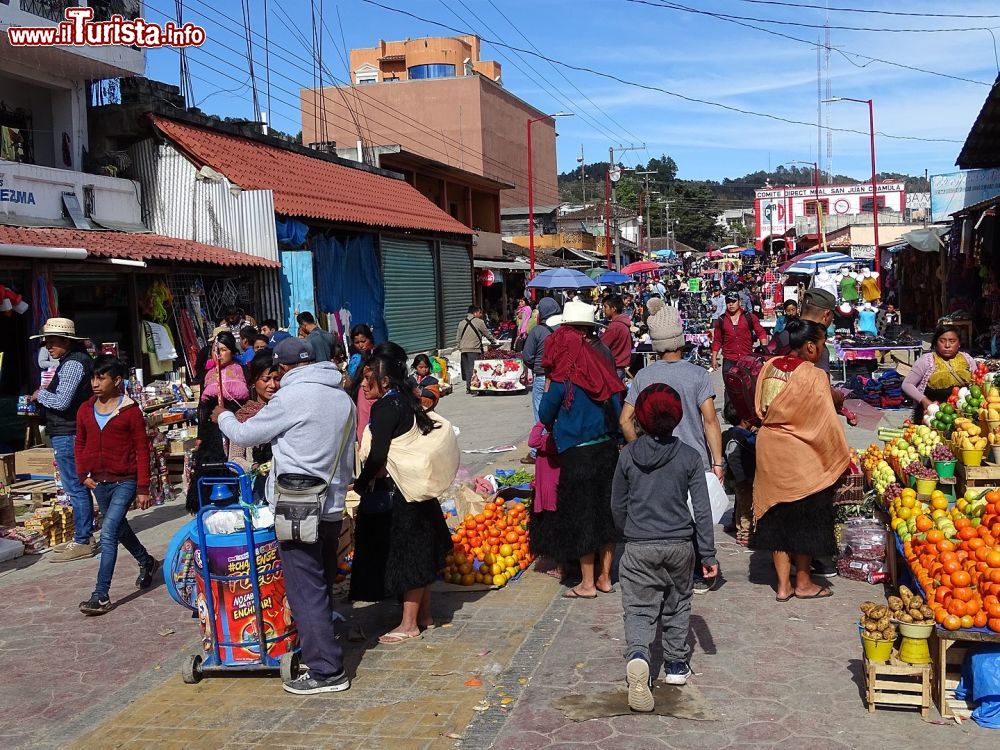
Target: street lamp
(871,131)
(819,224)
(531,200)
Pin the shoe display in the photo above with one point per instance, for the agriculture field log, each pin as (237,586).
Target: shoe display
(73,551)
(96,605)
(640,697)
(307,685)
(677,673)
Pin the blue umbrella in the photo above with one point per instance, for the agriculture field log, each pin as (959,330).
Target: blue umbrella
(613,278)
(748,253)
(561,278)
(665,253)
(812,262)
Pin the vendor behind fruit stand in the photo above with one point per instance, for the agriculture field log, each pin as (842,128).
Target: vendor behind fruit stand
(937,372)
(61,398)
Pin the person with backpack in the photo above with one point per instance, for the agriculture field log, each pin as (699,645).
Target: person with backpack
(734,334)
(469,338)
(740,446)
(618,333)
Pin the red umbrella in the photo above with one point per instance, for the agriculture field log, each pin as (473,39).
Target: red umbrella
(642,266)
(714,254)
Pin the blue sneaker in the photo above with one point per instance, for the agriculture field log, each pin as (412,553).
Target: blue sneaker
(677,673)
(640,697)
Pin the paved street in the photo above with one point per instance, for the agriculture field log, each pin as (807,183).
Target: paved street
(766,674)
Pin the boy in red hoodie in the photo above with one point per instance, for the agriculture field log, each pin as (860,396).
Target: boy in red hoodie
(112,460)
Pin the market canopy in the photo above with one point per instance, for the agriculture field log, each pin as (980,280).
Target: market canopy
(613,278)
(642,266)
(562,278)
(748,252)
(810,263)
(928,240)
(730,249)
(714,254)
(665,253)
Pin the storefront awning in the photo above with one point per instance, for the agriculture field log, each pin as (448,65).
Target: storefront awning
(130,246)
(507,265)
(926,240)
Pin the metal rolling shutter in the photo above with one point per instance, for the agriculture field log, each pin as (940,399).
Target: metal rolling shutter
(410,293)
(456,287)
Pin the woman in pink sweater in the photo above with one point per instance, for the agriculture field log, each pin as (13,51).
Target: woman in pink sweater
(546,480)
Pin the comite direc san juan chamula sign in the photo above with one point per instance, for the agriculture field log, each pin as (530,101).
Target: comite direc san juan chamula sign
(828,190)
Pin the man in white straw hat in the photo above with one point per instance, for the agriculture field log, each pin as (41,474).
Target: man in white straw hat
(60,400)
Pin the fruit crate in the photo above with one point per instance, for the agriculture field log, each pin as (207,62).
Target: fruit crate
(896,683)
(974,477)
(949,654)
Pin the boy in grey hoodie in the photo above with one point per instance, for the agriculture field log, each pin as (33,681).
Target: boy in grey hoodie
(649,502)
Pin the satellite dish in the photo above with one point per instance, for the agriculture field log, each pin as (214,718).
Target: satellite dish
(615,174)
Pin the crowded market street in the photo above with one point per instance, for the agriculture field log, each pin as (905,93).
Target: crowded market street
(767,675)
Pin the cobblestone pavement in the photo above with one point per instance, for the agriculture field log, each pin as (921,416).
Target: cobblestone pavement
(774,675)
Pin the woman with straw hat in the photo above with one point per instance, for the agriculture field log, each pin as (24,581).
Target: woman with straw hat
(60,400)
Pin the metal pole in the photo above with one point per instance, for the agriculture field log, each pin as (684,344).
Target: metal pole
(531,212)
(583,176)
(614,214)
(871,127)
(607,215)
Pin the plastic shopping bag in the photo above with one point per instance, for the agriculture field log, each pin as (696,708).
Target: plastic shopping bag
(717,497)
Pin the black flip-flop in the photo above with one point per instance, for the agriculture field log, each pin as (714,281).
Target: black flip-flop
(786,599)
(572,594)
(609,591)
(818,595)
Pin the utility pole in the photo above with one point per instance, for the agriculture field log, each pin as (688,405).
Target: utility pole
(614,212)
(649,229)
(670,237)
(583,176)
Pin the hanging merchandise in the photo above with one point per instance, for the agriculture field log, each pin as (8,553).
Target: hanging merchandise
(158,301)
(191,317)
(11,301)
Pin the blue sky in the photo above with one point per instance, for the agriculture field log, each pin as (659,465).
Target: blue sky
(693,55)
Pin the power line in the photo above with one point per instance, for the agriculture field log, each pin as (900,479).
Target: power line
(598,107)
(846,54)
(659,89)
(813,25)
(908,14)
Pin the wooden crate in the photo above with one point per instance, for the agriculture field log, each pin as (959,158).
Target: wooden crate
(974,477)
(949,654)
(896,683)
(42,491)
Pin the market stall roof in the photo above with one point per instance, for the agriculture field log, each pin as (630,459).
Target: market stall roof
(310,186)
(926,240)
(809,263)
(982,146)
(506,265)
(130,246)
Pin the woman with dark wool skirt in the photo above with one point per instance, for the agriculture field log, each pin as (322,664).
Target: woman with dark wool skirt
(581,409)
(399,546)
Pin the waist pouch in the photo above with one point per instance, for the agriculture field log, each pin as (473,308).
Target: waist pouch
(298,507)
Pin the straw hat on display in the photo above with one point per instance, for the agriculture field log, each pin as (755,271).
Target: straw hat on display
(59,327)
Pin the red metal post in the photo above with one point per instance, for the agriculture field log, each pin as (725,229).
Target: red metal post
(531,211)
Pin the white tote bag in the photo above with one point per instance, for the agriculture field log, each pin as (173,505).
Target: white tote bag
(422,466)
(717,498)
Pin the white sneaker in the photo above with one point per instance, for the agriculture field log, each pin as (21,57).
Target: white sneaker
(640,697)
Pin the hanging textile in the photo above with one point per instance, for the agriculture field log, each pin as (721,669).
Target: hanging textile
(348,275)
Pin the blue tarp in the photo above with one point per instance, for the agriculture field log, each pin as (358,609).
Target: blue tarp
(348,275)
(291,232)
(981,684)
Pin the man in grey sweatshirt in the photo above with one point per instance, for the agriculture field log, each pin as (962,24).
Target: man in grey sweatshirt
(310,424)
(649,504)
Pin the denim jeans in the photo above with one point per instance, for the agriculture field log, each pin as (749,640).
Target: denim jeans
(537,391)
(79,496)
(114,498)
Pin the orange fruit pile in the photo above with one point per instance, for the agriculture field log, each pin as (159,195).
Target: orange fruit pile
(961,578)
(490,547)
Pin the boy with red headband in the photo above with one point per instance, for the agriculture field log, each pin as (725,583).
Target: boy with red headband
(649,502)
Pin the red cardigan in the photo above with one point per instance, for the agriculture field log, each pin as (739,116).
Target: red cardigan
(119,452)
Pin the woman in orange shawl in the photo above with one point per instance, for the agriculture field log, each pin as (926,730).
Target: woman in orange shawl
(801,453)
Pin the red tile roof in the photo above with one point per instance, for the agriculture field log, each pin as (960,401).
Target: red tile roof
(309,186)
(131,246)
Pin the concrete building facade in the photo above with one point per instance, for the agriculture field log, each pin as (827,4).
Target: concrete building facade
(455,113)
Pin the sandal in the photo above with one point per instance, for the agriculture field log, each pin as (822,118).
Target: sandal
(573,594)
(823,593)
(390,639)
(784,599)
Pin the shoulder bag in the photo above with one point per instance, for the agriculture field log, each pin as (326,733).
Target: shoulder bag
(299,499)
